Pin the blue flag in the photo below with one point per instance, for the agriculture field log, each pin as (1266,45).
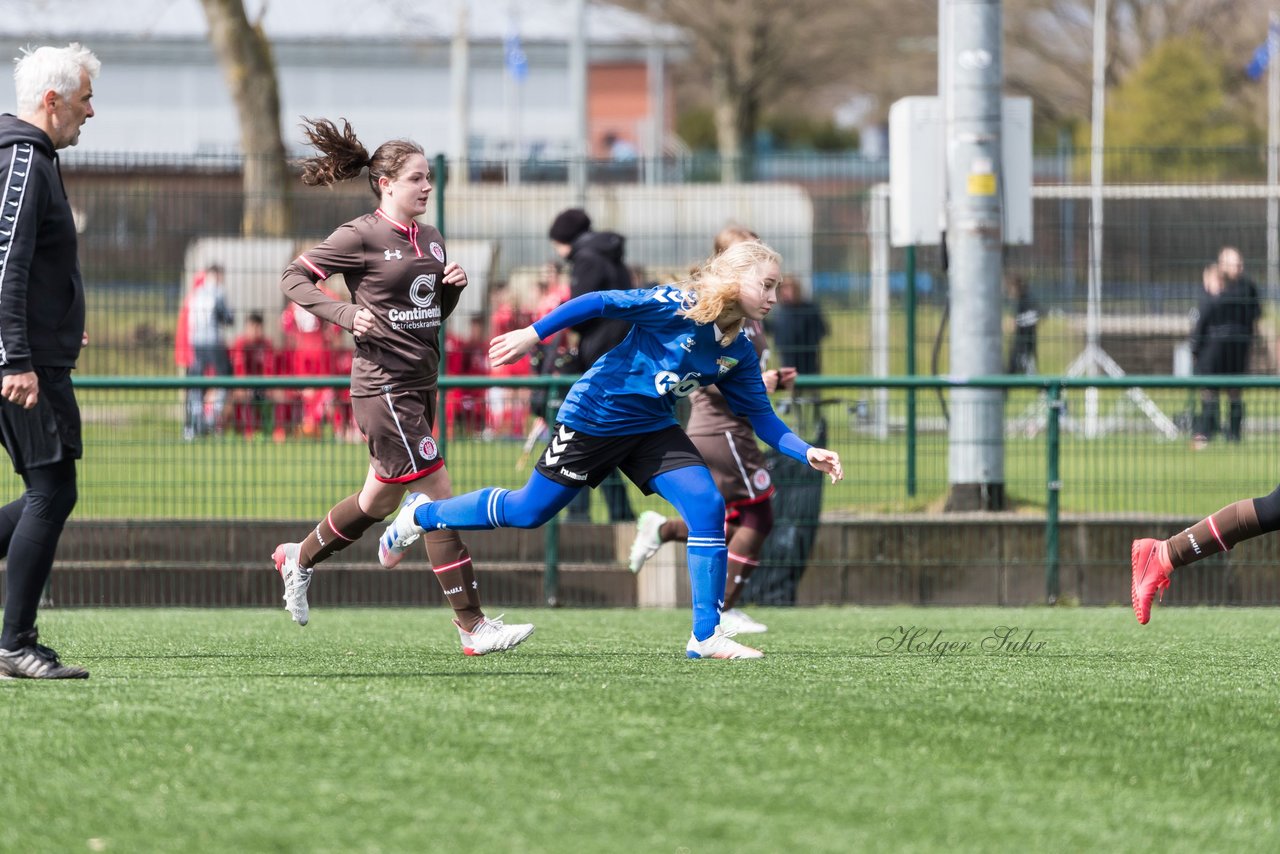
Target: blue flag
(517,62)
(1261,58)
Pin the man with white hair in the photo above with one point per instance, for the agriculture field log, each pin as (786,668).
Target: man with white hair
(41,334)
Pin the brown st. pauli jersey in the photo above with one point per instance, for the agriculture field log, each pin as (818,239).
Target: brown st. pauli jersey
(395,270)
(711,415)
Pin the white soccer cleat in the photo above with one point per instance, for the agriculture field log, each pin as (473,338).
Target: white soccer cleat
(648,538)
(296,581)
(402,532)
(735,622)
(493,636)
(719,645)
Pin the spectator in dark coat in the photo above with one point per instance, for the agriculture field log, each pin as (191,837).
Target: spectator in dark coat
(1226,321)
(1026,317)
(596,259)
(796,327)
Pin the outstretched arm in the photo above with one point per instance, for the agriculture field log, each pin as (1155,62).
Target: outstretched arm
(771,428)
(511,346)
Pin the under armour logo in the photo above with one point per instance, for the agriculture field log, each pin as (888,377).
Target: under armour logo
(388,254)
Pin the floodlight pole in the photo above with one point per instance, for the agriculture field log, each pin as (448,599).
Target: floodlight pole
(578,100)
(1273,158)
(1093,307)
(975,241)
(460,81)
(655,65)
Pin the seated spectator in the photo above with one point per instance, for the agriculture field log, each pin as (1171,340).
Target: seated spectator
(508,407)
(311,345)
(467,357)
(552,355)
(253,355)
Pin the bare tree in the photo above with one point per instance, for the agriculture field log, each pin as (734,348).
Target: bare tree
(752,55)
(245,56)
(1049,43)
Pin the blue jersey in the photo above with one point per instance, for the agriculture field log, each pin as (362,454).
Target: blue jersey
(634,387)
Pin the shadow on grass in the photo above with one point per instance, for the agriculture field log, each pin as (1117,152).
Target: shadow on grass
(343,675)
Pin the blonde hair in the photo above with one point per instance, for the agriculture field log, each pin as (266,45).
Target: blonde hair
(715,287)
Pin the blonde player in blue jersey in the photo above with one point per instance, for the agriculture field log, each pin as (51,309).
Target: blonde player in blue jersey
(620,414)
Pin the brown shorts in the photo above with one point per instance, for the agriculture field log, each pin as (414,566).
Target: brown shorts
(398,425)
(738,466)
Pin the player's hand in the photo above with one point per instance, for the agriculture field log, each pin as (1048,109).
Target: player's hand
(827,462)
(510,346)
(786,377)
(364,323)
(455,275)
(770,380)
(84,339)
(22,389)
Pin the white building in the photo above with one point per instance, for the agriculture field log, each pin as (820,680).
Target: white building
(382,64)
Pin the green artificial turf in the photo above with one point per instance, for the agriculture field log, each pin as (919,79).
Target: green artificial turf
(368,731)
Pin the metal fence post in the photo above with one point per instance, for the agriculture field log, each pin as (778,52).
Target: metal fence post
(1053,487)
(911,370)
(551,532)
(442,396)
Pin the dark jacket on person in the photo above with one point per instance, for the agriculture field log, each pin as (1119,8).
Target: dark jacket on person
(1224,328)
(41,292)
(796,329)
(597,262)
(1022,351)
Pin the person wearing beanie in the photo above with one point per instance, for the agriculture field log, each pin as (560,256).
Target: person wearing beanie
(569,225)
(596,264)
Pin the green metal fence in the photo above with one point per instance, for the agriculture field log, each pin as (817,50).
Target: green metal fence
(1079,486)
(152,500)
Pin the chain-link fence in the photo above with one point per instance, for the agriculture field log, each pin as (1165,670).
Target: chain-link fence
(176,479)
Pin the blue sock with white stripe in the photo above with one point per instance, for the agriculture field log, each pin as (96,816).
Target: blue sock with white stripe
(708,560)
(531,506)
(693,493)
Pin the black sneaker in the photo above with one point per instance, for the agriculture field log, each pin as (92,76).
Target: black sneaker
(33,661)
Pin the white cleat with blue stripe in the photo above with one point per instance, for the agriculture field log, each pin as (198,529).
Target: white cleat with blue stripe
(720,645)
(402,532)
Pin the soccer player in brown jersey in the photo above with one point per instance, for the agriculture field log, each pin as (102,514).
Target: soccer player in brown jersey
(728,443)
(402,289)
(1152,561)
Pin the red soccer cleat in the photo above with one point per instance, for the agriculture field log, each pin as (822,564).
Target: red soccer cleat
(1151,570)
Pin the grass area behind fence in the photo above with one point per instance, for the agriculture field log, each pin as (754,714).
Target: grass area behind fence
(142,469)
(228,731)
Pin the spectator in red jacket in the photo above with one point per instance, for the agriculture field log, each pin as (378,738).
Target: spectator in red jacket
(253,355)
(311,347)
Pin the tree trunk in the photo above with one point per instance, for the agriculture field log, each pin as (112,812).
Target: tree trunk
(725,112)
(245,56)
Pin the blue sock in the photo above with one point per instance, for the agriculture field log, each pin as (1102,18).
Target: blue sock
(469,512)
(693,493)
(708,560)
(531,506)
